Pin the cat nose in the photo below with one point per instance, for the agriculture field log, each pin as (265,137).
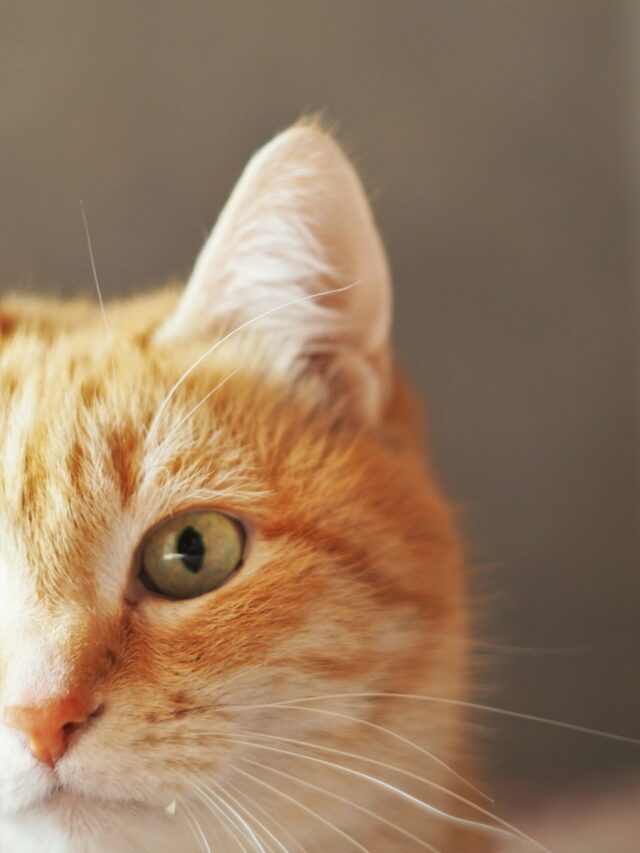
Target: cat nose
(48,726)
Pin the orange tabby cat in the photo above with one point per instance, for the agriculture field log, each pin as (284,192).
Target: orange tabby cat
(225,568)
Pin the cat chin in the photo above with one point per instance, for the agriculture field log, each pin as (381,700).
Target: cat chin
(69,823)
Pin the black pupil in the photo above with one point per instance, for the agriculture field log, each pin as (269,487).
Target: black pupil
(191,549)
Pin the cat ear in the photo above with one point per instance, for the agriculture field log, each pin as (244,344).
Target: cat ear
(296,246)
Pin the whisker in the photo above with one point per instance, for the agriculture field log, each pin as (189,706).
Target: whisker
(344,800)
(200,832)
(240,674)
(265,829)
(472,824)
(235,331)
(222,817)
(251,834)
(459,797)
(376,727)
(303,807)
(107,330)
(474,706)
(513,649)
(207,396)
(263,811)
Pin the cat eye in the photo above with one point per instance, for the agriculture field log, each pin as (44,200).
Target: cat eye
(191,554)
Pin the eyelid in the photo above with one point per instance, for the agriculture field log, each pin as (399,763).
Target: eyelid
(246,524)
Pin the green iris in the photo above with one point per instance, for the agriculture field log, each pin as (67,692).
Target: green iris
(191,554)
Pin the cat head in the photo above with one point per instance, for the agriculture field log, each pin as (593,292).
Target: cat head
(211,508)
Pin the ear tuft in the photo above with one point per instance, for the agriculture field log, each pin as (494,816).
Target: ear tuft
(297,247)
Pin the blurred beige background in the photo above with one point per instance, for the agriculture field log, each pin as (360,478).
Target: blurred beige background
(501,144)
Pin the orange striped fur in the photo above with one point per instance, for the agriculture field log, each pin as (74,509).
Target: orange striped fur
(353,578)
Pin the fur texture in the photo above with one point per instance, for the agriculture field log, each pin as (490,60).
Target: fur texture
(352,586)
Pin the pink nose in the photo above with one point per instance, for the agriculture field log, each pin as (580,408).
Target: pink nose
(48,726)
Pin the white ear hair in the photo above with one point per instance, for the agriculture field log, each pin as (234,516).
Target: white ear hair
(297,225)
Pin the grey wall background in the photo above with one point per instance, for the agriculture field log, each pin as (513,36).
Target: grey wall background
(500,141)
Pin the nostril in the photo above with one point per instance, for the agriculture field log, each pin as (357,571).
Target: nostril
(70,728)
(99,711)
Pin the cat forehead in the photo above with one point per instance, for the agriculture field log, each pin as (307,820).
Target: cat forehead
(81,450)
(66,350)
